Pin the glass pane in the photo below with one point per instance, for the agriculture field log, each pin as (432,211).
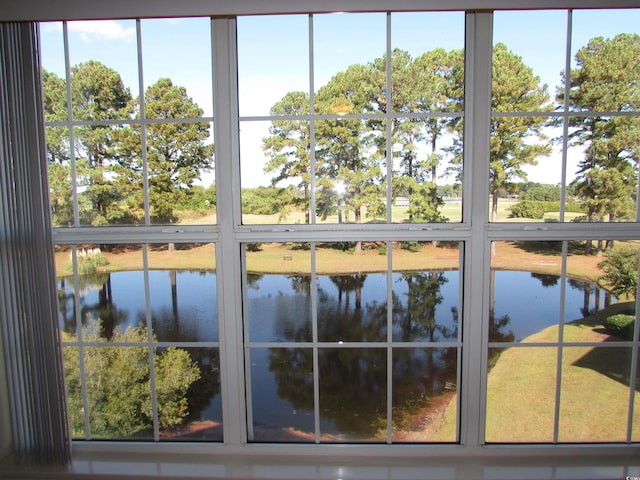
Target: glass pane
(353,392)
(594,380)
(264,79)
(188,393)
(178,50)
(427,62)
(520,145)
(425,185)
(605,180)
(426,291)
(352,295)
(525,291)
(276,172)
(104,69)
(52,48)
(282,394)
(109,183)
(521,395)
(425,397)
(183,286)
(179,157)
(75,405)
(528,44)
(340,60)
(110,291)
(278,290)
(351,171)
(598,269)
(118,389)
(604,50)
(60,178)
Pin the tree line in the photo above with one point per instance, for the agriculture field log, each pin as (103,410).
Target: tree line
(427,137)
(109,165)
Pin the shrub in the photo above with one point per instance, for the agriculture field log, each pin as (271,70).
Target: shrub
(536,209)
(89,261)
(528,209)
(621,271)
(621,326)
(118,385)
(410,245)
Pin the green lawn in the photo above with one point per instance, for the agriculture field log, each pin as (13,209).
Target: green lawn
(594,400)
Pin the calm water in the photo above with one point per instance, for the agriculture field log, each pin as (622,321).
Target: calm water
(351,308)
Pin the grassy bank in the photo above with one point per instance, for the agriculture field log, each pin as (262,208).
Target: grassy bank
(594,400)
(290,258)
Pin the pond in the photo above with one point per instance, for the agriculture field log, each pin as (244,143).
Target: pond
(351,308)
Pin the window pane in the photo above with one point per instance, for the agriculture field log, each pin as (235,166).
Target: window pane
(179,156)
(427,295)
(516,143)
(350,171)
(353,392)
(278,292)
(425,394)
(110,293)
(594,380)
(188,393)
(525,291)
(109,183)
(352,299)
(178,49)
(606,178)
(105,50)
(276,172)
(118,389)
(432,78)
(74,387)
(604,50)
(264,79)
(182,287)
(521,394)
(534,46)
(426,185)
(341,59)
(281,394)
(597,314)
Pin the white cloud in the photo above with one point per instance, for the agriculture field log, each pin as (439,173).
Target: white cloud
(90,31)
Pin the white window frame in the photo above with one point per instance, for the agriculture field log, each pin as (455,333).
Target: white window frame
(229,233)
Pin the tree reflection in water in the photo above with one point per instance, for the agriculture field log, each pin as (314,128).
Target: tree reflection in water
(352,380)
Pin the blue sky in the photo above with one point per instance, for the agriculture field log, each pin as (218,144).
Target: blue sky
(273,54)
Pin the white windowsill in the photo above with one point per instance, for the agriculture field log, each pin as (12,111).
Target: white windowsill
(345,463)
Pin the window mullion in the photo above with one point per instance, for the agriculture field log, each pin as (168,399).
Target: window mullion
(476,191)
(227,264)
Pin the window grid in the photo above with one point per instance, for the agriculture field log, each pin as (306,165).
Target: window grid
(388,117)
(477,234)
(78,236)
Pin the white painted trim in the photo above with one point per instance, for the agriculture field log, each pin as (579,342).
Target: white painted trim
(44,10)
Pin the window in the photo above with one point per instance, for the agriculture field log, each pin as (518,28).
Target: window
(398,240)
(368,131)
(563,341)
(139,318)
